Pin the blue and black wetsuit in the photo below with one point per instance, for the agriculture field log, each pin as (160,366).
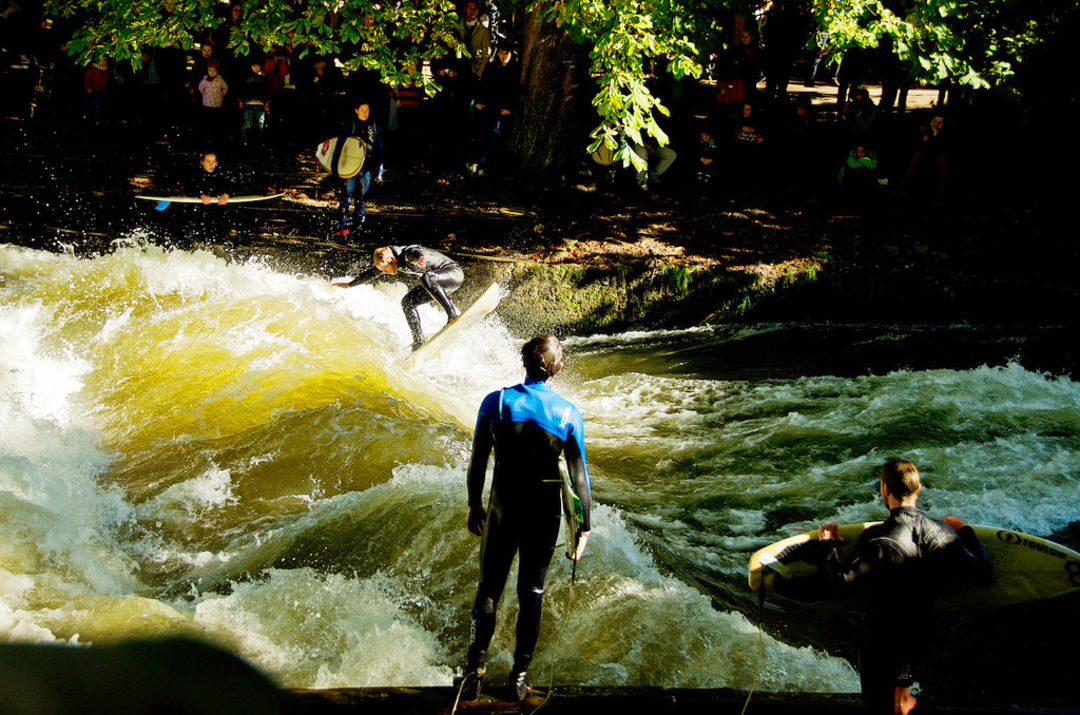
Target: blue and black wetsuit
(529,425)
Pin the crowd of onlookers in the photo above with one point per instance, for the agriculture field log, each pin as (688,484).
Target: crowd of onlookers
(738,127)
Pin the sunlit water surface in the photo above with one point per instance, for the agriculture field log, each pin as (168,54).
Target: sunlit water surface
(189,445)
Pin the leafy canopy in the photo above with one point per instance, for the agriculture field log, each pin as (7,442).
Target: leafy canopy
(974,42)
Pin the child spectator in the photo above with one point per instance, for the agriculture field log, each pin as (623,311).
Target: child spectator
(213,89)
(707,154)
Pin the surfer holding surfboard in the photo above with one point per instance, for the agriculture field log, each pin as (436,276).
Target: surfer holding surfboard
(212,182)
(529,426)
(900,566)
(356,178)
(439,276)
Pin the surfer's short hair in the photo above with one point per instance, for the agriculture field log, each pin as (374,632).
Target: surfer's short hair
(382,256)
(542,357)
(900,477)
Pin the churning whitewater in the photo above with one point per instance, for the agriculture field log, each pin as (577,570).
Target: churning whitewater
(195,446)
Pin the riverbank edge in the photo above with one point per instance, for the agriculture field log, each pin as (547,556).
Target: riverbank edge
(571,298)
(622,699)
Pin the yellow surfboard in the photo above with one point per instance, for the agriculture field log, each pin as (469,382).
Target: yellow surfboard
(1025,568)
(468,318)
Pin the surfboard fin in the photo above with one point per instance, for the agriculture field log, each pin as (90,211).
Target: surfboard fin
(162,205)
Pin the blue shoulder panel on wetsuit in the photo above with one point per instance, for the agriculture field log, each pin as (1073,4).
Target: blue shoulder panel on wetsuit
(534,401)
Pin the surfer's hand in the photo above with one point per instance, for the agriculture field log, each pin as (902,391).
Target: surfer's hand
(955,522)
(223,199)
(581,546)
(829,532)
(475,520)
(207,200)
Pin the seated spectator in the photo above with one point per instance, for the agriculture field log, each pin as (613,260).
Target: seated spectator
(858,177)
(658,159)
(708,154)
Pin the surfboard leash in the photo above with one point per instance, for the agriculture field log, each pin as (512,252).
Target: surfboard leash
(558,640)
(457,698)
(761,648)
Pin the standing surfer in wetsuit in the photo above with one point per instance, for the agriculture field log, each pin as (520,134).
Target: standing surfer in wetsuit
(901,565)
(439,276)
(529,426)
(362,126)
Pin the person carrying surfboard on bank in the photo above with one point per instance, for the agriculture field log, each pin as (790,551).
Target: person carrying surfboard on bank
(439,277)
(529,426)
(363,127)
(900,566)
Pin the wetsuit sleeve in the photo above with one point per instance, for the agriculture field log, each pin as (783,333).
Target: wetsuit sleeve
(845,579)
(481,449)
(970,562)
(369,274)
(574,449)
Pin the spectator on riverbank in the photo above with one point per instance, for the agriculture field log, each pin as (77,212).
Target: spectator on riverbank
(213,89)
(859,114)
(707,155)
(364,127)
(858,177)
(253,101)
(928,170)
(739,70)
(747,146)
(496,100)
(658,159)
(403,135)
(96,82)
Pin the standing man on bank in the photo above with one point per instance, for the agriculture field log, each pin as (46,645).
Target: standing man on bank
(901,565)
(529,426)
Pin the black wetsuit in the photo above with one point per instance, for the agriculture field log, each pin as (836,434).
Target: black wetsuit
(900,566)
(529,426)
(439,276)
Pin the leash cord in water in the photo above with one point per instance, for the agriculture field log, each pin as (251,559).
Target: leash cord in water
(558,639)
(761,647)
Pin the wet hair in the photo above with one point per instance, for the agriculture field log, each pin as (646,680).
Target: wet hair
(900,477)
(382,255)
(542,357)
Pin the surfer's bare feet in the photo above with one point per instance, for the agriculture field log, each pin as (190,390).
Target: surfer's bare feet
(903,702)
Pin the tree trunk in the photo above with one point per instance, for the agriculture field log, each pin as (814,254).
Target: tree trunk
(551,136)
